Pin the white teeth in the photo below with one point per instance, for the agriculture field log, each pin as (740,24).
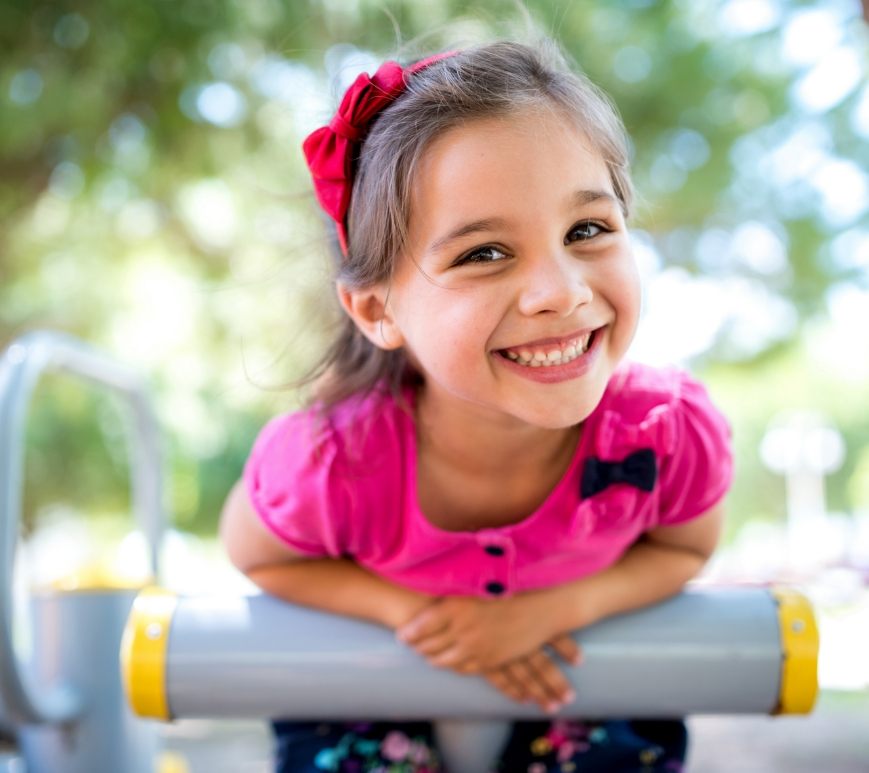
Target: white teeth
(555,357)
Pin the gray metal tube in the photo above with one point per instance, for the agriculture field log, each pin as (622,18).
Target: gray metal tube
(704,651)
(21,366)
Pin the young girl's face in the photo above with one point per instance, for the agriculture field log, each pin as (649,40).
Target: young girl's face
(518,253)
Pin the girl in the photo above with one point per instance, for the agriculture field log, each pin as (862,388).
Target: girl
(480,469)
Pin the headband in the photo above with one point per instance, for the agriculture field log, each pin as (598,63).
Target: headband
(330,149)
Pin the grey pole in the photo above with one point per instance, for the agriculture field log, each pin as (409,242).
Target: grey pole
(703,651)
(750,650)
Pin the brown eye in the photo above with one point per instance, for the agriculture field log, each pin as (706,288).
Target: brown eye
(481,255)
(584,231)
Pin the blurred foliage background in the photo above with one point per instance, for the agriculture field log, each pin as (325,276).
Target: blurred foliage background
(154,202)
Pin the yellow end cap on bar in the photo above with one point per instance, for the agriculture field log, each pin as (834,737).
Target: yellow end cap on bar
(800,643)
(143,652)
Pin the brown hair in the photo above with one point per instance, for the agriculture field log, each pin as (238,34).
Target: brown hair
(485,81)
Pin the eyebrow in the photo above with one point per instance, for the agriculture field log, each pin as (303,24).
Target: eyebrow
(576,199)
(579,198)
(487,224)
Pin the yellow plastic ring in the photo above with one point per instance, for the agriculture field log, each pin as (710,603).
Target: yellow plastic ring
(800,644)
(143,652)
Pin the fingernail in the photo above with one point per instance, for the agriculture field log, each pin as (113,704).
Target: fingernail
(569,696)
(551,708)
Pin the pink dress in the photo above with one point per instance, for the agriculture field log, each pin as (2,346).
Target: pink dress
(346,486)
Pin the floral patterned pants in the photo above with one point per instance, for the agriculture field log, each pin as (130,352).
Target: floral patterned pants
(613,746)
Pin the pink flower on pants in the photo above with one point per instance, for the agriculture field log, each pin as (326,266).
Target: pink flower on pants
(555,737)
(418,753)
(395,746)
(566,750)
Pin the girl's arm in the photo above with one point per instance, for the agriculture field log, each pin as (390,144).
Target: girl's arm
(333,585)
(343,587)
(477,634)
(656,567)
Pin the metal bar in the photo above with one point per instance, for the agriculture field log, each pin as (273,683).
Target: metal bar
(704,651)
(21,366)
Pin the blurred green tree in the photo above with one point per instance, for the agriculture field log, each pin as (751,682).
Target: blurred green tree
(153,199)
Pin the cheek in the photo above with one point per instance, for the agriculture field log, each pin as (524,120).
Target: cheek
(445,328)
(632,292)
(625,294)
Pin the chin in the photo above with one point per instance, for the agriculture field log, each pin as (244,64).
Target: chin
(559,420)
(570,413)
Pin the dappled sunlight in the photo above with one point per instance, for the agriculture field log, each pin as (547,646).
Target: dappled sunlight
(169,217)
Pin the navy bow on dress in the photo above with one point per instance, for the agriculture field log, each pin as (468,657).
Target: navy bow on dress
(637,469)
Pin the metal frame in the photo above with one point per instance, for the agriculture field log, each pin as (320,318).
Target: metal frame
(21,366)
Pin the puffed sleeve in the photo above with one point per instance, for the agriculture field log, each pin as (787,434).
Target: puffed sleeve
(291,479)
(699,471)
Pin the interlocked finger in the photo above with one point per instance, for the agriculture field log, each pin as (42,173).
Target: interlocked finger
(435,645)
(552,676)
(469,666)
(534,686)
(454,658)
(416,631)
(501,679)
(566,648)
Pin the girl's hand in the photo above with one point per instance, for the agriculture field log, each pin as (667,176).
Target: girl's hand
(472,635)
(536,677)
(405,608)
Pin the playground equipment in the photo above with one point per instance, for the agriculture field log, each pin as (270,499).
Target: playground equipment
(705,651)
(749,650)
(64,704)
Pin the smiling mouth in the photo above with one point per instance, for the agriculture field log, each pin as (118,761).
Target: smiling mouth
(549,356)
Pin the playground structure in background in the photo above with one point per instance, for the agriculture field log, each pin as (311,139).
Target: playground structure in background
(98,651)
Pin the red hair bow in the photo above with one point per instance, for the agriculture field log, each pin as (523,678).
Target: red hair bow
(329,150)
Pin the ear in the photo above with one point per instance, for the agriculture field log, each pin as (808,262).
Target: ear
(368,308)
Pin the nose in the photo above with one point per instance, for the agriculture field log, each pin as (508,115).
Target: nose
(555,283)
